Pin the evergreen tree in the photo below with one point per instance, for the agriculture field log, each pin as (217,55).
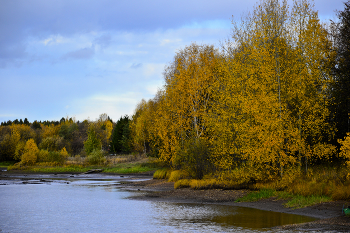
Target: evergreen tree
(120,136)
(125,141)
(341,88)
(26,122)
(36,125)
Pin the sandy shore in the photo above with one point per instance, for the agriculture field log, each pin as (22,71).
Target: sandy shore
(329,215)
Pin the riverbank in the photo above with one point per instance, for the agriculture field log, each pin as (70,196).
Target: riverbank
(329,214)
(128,164)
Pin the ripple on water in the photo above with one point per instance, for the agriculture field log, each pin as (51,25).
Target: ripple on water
(100,206)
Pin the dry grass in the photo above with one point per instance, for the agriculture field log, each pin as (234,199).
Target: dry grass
(320,181)
(178,175)
(162,174)
(110,160)
(185,183)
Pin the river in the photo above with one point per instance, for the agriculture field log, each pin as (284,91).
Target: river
(99,205)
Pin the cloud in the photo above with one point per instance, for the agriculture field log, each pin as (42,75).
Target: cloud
(54,39)
(130,47)
(20,20)
(84,53)
(114,105)
(104,40)
(136,65)
(12,53)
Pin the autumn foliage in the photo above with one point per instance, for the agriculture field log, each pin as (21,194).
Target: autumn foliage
(267,105)
(258,106)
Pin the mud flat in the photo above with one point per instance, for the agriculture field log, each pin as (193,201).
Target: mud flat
(329,214)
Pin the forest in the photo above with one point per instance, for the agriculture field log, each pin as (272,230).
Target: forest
(269,105)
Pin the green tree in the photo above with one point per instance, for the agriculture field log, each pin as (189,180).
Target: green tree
(26,122)
(92,142)
(120,136)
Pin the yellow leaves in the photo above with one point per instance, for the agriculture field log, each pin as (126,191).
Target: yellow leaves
(29,157)
(109,129)
(19,150)
(345,148)
(49,130)
(260,103)
(64,153)
(324,151)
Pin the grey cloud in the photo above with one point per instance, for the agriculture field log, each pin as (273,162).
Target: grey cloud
(136,65)
(104,40)
(41,17)
(21,19)
(11,53)
(84,53)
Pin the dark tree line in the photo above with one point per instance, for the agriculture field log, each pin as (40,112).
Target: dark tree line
(67,133)
(341,107)
(120,138)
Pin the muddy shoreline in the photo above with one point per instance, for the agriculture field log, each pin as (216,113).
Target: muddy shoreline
(329,216)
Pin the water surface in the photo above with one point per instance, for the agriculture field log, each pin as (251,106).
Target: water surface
(76,205)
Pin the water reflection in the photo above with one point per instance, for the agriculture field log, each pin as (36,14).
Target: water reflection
(222,217)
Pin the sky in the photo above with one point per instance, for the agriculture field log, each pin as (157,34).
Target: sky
(83,58)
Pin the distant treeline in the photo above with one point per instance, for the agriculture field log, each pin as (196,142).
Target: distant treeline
(74,137)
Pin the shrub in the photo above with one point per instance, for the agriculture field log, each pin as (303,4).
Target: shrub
(345,148)
(341,193)
(204,184)
(96,157)
(53,157)
(162,174)
(185,183)
(19,150)
(53,143)
(43,156)
(30,155)
(63,153)
(193,157)
(177,175)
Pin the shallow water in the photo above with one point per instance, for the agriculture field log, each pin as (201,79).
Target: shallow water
(100,206)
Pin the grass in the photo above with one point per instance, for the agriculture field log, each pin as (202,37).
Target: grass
(128,164)
(163,173)
(177,175)
(130,168)
(197,184)
(257,195)
(58,169)
(123,168)
(7,163)
(294,201)
(185,183)
(299,201)
(320,184)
